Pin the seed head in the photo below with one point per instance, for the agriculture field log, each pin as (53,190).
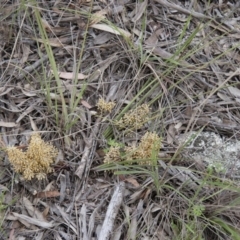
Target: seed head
(104,106)
(150,143)
(36,161)
(113,155)
(135,118)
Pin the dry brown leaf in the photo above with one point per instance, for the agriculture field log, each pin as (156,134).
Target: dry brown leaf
(3,188)
(28,94)
(4,91)
(178,126)
(63,184)
(183,10)
(28,110)
(133,181)
(114,30)
(234,91)
(162,53)
(46,25)
(55,96)
(171,133)
(54,42)
(45,212)
(48,194)
(136,196)
(32,211)
(33,125)
(86,104)
(49,187)
(147,193)
(140,10)
(102,38)
(7,124)
(34,221)
(98,16)
(224,97)
(152,40)
(71,75)
(11,235)
(26,51)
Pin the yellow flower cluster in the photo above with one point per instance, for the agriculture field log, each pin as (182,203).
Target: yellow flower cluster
(113,155)
(150,144)
(135,118)
(104,106)
(36,161)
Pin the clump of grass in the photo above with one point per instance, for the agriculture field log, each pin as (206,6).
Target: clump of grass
(36,161)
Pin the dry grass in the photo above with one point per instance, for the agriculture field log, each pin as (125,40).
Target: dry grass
(57,59)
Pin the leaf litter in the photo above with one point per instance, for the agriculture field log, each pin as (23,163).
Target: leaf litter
(189,49)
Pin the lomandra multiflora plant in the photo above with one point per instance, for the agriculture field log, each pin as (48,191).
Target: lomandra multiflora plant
(104,106)
(36,161)
(142,153)
(135,118)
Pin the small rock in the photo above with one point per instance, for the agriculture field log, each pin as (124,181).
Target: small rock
(220,153)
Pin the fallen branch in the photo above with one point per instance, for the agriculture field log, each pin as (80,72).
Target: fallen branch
(112,212)
(183,10)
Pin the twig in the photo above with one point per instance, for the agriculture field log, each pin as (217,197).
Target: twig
(27,70)
(112,212)
(183,10)
(86,161)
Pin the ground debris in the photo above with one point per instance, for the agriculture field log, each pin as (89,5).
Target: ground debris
(179,60)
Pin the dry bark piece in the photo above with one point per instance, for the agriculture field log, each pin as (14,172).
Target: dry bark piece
(112,211)
(47,194)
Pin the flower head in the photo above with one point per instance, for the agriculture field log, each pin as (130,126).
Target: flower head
(149,145)
(135,118)
(113,155)
(142,153)
(104,106)
(36,161)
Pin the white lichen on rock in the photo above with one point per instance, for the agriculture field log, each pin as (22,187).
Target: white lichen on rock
(218,152)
